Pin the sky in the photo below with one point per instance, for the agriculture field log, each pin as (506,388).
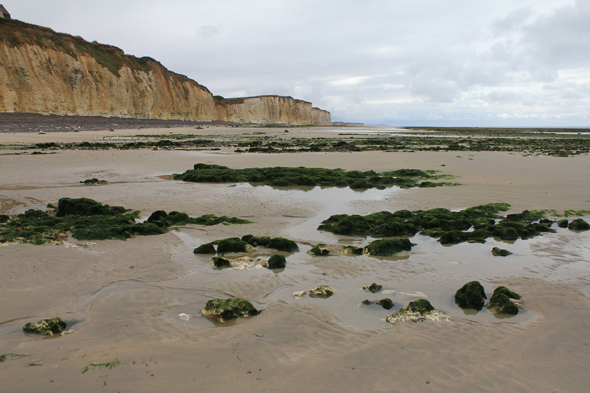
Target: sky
(485,63)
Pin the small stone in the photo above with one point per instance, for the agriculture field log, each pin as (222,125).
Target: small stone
(299,293)
(322,291)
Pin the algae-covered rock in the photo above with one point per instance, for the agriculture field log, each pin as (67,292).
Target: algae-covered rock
(220,262)
(4,218)
(387,247)
(501,303)
(386,303)
(579,225)
(322,291)
(232,244)
(276,261)
(319,250)
(507,292)
(207,248)
(92,181)
(278,243)
(421,306)
(499,252)
(471,295)
(373,288)
(563,223)
(47,327)
(238,263)
(86,207)
(232,308)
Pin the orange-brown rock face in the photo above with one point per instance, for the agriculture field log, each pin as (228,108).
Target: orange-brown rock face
(42,71)
(270,110)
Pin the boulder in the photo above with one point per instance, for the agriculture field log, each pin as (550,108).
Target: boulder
(276,261)
(471,295)
(47,327)
(499,252)
(232,308)
(373,288)
(579,225)
(386,303)
(420,306)
(322,291)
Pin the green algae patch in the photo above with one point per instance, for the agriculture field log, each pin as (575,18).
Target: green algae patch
(174,218)
(246,244)
(373,288)
(232,244)
(471,295)
(46,327)
(93,181)
(499,252)
(300,176)
(207,248)
(277,261)
(507,292)
(386,303)
(228,309)
(87,219)
(322,291)
(579,225)
(278,243)
(388,247)
(6,356)
(501,303)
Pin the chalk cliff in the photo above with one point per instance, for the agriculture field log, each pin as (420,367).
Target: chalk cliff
(42,71)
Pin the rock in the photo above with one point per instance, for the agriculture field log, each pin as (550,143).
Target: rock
(501,303)
(387,247)
(238,263)
(498,252)
(386,303)
(47,327)
(323,250)
(276,261)
(579,225)
(563,223)
(322,291)
(471,295)
(232,308)
(319,250)
(207,248)
(507,292)
(373,288)
(420,306)
(299,293)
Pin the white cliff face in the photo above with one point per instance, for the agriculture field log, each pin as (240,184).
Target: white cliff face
(46,72)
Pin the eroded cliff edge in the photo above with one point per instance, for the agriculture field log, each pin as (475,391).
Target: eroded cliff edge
(42,71)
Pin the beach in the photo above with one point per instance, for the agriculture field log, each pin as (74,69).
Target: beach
(123,298)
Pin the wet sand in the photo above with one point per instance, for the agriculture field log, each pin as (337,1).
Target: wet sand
(123,298)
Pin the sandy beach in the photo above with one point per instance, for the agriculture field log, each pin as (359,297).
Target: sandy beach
(123,298)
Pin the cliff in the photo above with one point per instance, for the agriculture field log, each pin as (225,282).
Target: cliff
(270,110)
(42,71)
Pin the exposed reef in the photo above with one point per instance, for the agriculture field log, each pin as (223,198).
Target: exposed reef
(300,176)
(322,291)
(246,244)
(87,219)
(46,327)
(417,311)
(471,295)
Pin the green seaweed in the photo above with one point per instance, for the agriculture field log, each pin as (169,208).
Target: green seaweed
(93,181)
(6,356)
(228,309)
(471,295)
(276,261)
(387,247)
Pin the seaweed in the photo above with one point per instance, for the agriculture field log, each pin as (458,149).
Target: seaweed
(301,176)
(373,288)
(228,309)
(163,219)
(579,225)
(499,252)
(276,261)
(471,295)
(87,219)
(47,327)
(387,247)
(93,181)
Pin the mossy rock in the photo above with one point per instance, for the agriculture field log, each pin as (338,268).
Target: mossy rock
(386,303)
(322,291)
(579,225)
(4,218)
(387,247)
(563,223)
(92,181)
(421,306)
(220,262)
(502,304)
(499,252)
(319,250)
(278,243)
(47,327)
(232,308)
(507,292)
(277,261)
(86,207)
(471,295)
(232,244)
(373,288)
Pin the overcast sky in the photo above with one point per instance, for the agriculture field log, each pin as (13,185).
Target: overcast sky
(410,62)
